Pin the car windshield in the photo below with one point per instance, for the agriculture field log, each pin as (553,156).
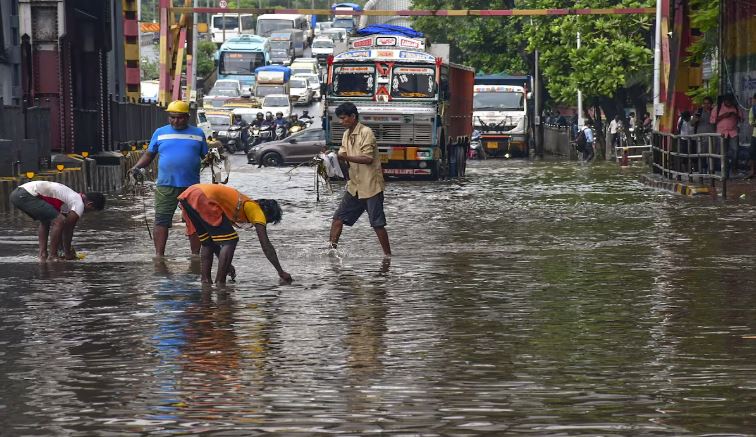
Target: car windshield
(249,118)
(498,101)
(276,101)
(264,90)
(313,78)
(300,70)
(354,81)
(322,44)
(298,83)
(240,63)
(228,92)
(413,82)
(219,121)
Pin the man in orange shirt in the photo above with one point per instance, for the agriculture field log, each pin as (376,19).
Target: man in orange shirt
(212,210)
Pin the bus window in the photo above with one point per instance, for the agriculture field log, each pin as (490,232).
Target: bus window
(240,62)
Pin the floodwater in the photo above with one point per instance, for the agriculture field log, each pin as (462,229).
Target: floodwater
(538,298)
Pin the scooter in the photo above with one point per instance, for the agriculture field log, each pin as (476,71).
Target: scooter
(235,141)
(281,132)
(476,146)
(261,134)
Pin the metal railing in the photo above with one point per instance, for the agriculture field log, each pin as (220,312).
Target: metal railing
(696,158)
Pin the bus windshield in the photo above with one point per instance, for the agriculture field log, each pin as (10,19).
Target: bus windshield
(498,101)
(240,63)
(268,26)
(228,22)
(356,81)
(413,82)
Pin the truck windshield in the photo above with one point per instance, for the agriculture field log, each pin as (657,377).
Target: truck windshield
(413,82)
(280,45)
(240,63)
(264,90)
(266,27)
(498,101)
(354,81)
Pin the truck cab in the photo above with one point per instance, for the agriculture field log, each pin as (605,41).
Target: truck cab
(273,79)
(500,115)
(281,48)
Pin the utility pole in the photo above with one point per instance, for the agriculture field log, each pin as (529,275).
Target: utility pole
(579,95)
(658,109)
(538,108)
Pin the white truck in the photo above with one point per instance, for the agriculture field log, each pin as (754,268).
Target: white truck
(500,114)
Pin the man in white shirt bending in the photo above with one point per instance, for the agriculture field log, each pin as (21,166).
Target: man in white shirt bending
(57,208)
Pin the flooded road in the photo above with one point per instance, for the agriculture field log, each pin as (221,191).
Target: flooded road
(540,298)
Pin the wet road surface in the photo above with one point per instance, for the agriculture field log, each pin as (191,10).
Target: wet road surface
(541,298)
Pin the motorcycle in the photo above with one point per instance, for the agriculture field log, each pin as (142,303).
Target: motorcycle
(281,132)
(476,146)
(296,128)
(307,121)
(261,134)
(235,139)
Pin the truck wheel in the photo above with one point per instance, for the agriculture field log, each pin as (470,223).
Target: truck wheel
(272,159)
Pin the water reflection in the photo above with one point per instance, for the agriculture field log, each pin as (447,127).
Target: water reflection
(539,298)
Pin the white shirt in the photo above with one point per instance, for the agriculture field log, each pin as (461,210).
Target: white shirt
(614,126)
(71,199)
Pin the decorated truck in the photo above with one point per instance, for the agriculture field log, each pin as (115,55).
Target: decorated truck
(418,105)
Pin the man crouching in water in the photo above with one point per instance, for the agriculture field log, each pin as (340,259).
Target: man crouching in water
(211,210)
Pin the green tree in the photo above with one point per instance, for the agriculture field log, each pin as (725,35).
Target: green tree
(614,64)
(205,60)
(488,44)
(613,67)
(150,69)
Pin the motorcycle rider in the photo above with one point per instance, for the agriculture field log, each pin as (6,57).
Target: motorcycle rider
(269,119)
(259,120)
(239,121)
(293,121)
(280,121)
(306,118)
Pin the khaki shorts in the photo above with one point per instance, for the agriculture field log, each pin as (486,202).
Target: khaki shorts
(166,201)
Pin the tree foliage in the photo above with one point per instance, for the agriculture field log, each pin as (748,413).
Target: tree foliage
(614,61)
(205,62)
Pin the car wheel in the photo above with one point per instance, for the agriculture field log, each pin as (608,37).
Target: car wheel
(272,159)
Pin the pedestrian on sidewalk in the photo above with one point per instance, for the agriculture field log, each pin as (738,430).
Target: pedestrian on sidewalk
(211,211)
(181,148)
(364,190)
(702,118)
(726,116)
(58,209)
(584,141)
(752,149)
(613,138)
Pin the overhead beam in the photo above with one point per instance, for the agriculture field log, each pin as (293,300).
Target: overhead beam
(426,12)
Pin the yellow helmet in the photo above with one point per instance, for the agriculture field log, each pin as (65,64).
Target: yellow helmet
(178,106)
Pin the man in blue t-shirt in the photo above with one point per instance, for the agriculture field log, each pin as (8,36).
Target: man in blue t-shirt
(181,148)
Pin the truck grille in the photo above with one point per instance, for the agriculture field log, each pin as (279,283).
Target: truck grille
(392,134)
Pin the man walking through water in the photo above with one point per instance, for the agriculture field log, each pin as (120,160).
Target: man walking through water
(181,148)
(211,211)
(58,209)
(364,190)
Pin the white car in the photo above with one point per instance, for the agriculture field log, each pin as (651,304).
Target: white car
(322,48)
(277,103)
(314,81)
(300,91)
(320,26)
